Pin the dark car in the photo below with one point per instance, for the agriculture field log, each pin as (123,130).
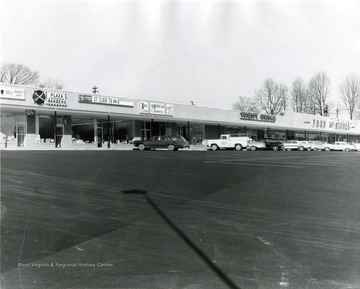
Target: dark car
(172,143)
(273,144)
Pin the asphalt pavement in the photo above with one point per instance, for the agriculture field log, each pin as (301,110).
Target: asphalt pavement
(185,219)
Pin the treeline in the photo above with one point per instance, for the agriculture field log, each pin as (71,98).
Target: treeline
(312,98)
(20,74)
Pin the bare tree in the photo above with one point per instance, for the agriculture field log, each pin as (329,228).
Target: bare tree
(246,104)
(18,74)
(319,91)
(350,93)
(272,97)
(52,83)
(300,97)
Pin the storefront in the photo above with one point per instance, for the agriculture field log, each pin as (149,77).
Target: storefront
(36,118)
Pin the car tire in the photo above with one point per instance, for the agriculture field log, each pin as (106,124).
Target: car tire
(327,149)
(301,148)
(309,149)
(253,148)
(238,147)
(275,148)
(347,149)
(214,147)
(171,147)
(142,147)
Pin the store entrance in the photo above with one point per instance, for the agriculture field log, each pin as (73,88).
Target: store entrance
(20,133)
(99,137)
(59,135)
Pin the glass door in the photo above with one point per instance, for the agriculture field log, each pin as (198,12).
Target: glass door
(20,133)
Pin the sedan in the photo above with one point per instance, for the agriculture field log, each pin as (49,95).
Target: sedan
(255,145)
(172,143)
(342,146)
(273,144)
(296,145)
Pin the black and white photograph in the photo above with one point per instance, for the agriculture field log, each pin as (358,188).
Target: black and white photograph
(180,144)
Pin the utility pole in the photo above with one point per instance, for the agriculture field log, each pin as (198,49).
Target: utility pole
(95,89)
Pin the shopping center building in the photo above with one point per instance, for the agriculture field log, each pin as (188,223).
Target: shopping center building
(35,117)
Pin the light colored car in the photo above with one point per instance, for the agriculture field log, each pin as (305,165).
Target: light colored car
(357,146)
(342,146)
(255,145)
(296,145)
(315,146)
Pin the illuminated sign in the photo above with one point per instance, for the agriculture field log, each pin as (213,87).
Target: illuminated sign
(105,100)
(10,93)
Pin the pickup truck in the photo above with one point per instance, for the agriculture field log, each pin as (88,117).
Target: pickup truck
(227,141)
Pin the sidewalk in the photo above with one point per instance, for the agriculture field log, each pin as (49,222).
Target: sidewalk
(125,147)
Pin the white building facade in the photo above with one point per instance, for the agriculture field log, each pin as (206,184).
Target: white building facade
(38,117)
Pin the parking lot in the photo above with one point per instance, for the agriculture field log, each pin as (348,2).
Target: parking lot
(185,219)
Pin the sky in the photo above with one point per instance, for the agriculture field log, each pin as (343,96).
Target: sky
(207,52)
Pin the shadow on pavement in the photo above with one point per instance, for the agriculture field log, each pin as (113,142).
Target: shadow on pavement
(182,235)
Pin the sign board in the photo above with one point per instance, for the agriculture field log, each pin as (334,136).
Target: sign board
(12,93)
(56,98)
(156,108)
(105,100)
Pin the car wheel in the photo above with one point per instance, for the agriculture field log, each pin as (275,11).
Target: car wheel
(275,148)
(327,149)
(171,147)
(315,149)
(301,148)
(309,149)
(347,149)
(141,147)
(253,148)
(214,147)
(238,147)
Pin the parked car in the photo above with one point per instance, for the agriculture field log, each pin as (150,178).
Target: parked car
(342,146)
(296,145)
(172,143)
(315,146)
(273,144)
(255,145)
(357,146)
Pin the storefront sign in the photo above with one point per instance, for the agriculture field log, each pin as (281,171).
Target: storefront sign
(257,117)
(105,100)
(56,98)
(39,97)
(169,109)
(144,107)
(156,108)
(10,93)
(319,123)
(339,125)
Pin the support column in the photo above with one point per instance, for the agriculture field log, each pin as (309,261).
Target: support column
(151,128)
(219,130)
(188,131)
(55,129)
(108,131)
